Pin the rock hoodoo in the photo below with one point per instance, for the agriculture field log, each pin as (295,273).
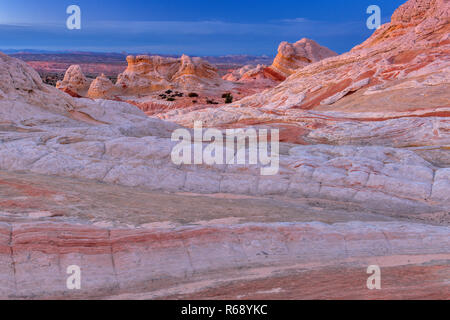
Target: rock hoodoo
(74,82)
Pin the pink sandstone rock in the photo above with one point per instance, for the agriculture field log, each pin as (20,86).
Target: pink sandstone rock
(146,74)
(74,81)
(411,52)
(290,58)
(34,256)
(101,87)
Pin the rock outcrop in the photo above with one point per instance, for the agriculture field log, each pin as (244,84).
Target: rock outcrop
(101,87)
(409,53)
(138,263)
(250,74)
(74,83)
(290,58)
(293,56)
(146,74)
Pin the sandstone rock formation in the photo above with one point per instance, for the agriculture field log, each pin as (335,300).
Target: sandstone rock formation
(91,182)
(290,58)
(392,90)
(293,56)
(349,173)
(101,87)
(260,73)
(74,82)
(410,52)
(246,72)
(146,74)
(156,263)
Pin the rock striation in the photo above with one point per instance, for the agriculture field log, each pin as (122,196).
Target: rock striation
(152,263)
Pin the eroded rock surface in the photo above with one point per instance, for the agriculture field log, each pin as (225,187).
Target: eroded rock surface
(150,251)
(91,182)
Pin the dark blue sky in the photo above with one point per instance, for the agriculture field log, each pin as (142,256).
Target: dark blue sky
(195,27)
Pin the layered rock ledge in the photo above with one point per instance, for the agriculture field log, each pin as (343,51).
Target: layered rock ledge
(34,256)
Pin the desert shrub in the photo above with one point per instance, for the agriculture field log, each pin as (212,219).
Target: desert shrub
(171,99)
(228,97)
(168,91)
(193,95)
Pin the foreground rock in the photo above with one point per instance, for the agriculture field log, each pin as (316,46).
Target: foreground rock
(156,262)
(151,251)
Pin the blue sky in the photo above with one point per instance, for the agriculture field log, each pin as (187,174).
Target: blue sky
(195,27)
